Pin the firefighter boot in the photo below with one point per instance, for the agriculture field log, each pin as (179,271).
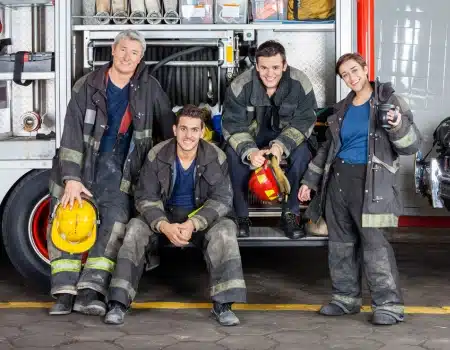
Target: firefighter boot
(381,318)
(223,314)
(116,313)
(89,302)
(63,305)
(244,224)
(291,227)
(333,309)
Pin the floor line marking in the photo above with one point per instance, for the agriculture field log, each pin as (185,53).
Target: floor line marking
(432,310)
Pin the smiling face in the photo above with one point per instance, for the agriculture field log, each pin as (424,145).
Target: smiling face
(126,54)
(188,133)
(354,75)
(270,70)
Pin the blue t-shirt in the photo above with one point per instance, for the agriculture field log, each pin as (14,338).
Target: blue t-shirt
(117,102)
(184,187)
(354,138)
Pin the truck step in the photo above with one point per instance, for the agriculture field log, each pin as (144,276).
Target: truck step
(274,237)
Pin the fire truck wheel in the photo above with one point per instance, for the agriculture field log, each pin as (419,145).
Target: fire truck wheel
(24,226)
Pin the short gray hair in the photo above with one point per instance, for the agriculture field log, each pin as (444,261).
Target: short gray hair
(131,35)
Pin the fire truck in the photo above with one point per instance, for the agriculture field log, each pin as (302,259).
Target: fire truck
(195,50)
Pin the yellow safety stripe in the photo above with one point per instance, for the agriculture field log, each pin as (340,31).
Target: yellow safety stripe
(65,265)
(294,135)
(123,284)
(90,141)
(239,138)
(314,168)
(224,286)
(100,264)
(71,155)
(379,220)
(408,140)
(125,186)
(144,205)
(144,134)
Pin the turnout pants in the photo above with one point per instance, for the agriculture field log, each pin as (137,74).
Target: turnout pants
(353,249)
(220,250)
(114,212)
(298,162)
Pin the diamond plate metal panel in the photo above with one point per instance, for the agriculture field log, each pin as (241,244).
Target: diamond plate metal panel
(412,51)
(314,54)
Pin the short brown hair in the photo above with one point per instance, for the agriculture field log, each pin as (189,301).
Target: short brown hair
(191,111)
(350,56)
(270,48)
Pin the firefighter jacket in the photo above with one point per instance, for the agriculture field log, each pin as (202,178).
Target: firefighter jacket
(213,193)
(86,120)
(382,205)
(246,103)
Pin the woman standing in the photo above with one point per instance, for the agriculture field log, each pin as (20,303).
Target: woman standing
(354,174)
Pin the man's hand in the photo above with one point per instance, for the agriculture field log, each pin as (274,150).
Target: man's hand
(257,158)
(304,193)
(391,114)
(276,150)
(187,228)
(173,233)
(72,191)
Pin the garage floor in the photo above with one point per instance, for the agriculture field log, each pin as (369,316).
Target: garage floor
(172,310)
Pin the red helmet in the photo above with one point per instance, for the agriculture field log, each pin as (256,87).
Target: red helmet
(263,183)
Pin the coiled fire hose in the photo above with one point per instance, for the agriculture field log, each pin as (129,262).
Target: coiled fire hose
(120,11)
(171,15)
(103,11)
(154,15)
(137,8)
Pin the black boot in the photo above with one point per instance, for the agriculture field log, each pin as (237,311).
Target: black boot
(332,309)
(63,305)
(224,315)
(291,226)
(381,318)
(90,302)
(116,313)
(244,224)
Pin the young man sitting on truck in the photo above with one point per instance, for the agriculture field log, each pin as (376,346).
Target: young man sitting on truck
(107,129)
(269,110)
(183,195)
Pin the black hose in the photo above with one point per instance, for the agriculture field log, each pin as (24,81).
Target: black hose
(176,55)
(182,84)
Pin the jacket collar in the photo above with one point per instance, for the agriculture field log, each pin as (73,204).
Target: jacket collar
(259,95)
(382,93)
(205,155)
(97,78)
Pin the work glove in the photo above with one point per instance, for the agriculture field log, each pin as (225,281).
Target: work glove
(283,182)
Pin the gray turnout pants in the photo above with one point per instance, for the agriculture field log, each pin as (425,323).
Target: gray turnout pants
(353,249)
(220,249)
(114,212)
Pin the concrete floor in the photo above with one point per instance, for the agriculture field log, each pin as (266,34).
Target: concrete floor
(274,276)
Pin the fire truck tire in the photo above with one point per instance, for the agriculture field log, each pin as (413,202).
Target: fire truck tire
(26,196)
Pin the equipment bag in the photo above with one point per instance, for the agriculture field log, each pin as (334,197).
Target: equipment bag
(301,10)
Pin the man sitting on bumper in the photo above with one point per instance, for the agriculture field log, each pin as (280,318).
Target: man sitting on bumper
(183,195)
(269,110)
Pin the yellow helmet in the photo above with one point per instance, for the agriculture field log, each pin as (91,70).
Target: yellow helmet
(208,136)
(75,230)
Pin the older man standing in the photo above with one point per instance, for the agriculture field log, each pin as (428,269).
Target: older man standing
(107,133)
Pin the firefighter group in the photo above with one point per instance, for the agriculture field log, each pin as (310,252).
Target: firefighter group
(131,175)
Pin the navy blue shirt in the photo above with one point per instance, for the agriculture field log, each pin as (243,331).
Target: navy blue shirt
(117,102)
(354,138)
(184,187)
